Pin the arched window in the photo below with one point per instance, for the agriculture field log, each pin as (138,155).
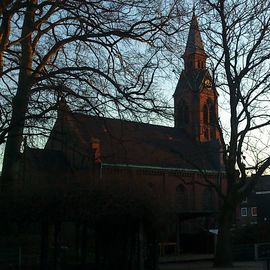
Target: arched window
(205,114)
(181,197)
(209,119)
(183,113)
(212,115)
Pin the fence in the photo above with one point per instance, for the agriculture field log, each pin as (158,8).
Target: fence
(18,257)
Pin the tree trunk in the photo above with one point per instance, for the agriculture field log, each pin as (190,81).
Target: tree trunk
(84,242)
(44,252)
(141,246)
(20,101)
(78,240)
(57,246)
(178,234)
(223,255)
(97,246)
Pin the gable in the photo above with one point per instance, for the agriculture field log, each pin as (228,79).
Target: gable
(191,80)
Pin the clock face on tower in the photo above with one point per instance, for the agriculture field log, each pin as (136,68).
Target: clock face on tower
(207,83)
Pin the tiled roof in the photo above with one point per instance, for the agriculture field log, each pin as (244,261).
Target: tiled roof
(263,183)
(126,142)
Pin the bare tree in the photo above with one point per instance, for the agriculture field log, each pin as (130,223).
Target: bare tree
(239,33)
(103,54)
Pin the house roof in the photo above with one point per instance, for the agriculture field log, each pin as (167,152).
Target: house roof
(263,183)
(126,142)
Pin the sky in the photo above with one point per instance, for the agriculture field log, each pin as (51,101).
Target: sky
(168,83)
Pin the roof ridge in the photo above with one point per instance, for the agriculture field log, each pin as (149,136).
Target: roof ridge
(121,120)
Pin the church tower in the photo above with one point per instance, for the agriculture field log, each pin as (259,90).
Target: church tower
(195,97)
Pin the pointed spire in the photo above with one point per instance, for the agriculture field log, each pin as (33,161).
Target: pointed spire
(194,56)
(194,42)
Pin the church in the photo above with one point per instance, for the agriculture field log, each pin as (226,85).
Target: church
(182,163)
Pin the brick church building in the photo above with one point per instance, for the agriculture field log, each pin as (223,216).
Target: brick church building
(180,163)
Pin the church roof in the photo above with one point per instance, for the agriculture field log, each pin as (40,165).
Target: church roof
(194,42)
(263,184)
(191,79)
(126,142)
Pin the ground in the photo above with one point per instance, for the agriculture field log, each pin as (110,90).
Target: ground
(207,265)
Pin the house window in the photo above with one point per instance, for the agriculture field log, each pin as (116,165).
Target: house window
(212,116)
(209,119)
(243,212)
(205,114)
(254,211)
